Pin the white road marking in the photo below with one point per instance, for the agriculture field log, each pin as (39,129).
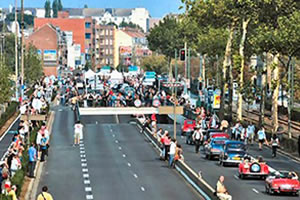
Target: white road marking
(86,182)
(135,176)
(117,141)
(81,145)
(111,130)
(124,156)
(85,170)
(83,164)
(82,152)
(120,148)
(96,122)
(129,165)
(143,189)
(236,177)
(254,190)
(114,135)
(86,175)
(89,197)
(83,160)
(81,148)
(82,156)
(88,189)
(81,141)
(60,110)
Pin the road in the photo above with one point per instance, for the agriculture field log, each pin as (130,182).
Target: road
(113,162)
(239,189)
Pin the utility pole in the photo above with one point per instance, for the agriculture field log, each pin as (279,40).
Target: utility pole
(22,49)
(175,94)
(189,69)
(291,94)
(185,60)
(16,48)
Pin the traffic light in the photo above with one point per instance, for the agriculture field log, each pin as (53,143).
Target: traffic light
(182,55)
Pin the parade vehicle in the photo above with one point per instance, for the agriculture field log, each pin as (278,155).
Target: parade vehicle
(233,153)
(188,126)
(251,167)
(215,147)
(282,182)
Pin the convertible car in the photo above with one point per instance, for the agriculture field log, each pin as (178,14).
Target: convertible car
(282,182)
(253,167)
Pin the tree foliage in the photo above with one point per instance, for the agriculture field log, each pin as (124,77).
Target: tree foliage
(28,19)
(155,63)
(47,7)
(60,6)
(33,69)
(5,83)
(55,8)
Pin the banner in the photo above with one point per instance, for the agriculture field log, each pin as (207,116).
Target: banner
(217,99)
(50,55)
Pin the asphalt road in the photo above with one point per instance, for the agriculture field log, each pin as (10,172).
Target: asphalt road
(239,189)
(113,162)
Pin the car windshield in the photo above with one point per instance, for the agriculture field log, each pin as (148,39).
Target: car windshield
(235,146)
(189,122)
(219,142)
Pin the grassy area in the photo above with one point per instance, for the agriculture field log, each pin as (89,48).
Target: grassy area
(10,111)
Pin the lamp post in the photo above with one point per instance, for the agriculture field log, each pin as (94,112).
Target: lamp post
(16,48)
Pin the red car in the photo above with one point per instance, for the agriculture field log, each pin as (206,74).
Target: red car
(219,135)
(188,126)
(283,182)
(253,167)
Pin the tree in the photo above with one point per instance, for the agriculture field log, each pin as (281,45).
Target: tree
(33,69)
(55,8)
(124,24)
(47,9)
(85,6)
(155,63)
(9,52)
(60,6)
(166,38)
(5,83)
(28,19)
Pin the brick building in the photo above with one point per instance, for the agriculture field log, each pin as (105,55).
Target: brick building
(51,47)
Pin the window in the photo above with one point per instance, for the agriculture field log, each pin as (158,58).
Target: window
(87,36)
(87,24)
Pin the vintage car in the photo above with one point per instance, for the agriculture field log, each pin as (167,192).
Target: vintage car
(188,126)
(282,182)
(253,167)
(233,154)
(215,147)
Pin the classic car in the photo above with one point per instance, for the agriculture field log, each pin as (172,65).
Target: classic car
(215,147)
(253,167)
(233,153)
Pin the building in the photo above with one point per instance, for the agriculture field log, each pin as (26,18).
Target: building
(153,22)
(130,46)
(51,46)
(103,16)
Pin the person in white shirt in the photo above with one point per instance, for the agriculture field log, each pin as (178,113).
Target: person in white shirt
(275,144)
(172,152)
(78,133)
(15,165)
(197,137)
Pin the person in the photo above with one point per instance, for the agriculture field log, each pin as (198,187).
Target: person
(250,131)
(44,146)
(15,165)
(146,125)
(261,137)
(197,137)
(12,192)
(221,190)
(32,153)
(45,195)
(178,153)
(78,133)
(275,144)
(167,143)
(172,152)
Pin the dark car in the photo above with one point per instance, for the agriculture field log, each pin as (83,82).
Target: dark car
(215,147)
(234,152)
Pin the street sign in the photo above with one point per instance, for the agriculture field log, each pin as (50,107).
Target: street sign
(156,103)
(150,74)
(34,117)
(164,110)
(170,84)
(217,99)
(137,103)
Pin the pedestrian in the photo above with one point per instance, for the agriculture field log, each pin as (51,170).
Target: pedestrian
(275,144)
(15,164)
(45,195)
(197,137)
(261,138)
(167,141)
(78,133)
(44,146)
(250,131)
(221,190)
(32,153)
(146,125)
(172,152)
(12,192)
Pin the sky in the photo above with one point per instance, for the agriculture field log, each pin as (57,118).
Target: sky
(157,8)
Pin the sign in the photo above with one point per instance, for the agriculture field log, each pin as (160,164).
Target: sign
(137,103)
(156,103)
(150,73)
(169,84)
(125,51)
(133,68)
(164,110)
(50,55)
(34,117)
(217,99)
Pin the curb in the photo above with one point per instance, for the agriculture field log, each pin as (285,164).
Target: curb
(200,185)
(33,184)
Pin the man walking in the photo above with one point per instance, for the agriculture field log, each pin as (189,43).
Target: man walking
(78,133)
(32,153)
(45,195)
(261,137)
(197,137)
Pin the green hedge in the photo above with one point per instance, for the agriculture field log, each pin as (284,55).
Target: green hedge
(10,111)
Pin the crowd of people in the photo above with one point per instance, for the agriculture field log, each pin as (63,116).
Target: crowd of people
(13,160)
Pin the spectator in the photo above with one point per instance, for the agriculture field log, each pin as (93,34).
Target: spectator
(32,152)
(167,141)
(45,195)
(15,164)
(78,133)
(197,137)
(178,153)
(250,131)
(12,192)
(172,152)
(275,144)
(44,146)
(221,190)
(261,138)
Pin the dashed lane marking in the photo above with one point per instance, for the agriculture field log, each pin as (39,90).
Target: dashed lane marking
(254,190)
(83,164)
(83,160)
(96,122)
(135,176)
(85,170)
(88,189)
(89,197)
(82,148)
(111,130)
(236,177)
(143,189)
(81,145)
(82,152)
(82,156)
(117,141)
(120,148)
(129,165)
(87,182)
(113,135)
(86,175)
(124,156)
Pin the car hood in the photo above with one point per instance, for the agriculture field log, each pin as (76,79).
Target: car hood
(235,153)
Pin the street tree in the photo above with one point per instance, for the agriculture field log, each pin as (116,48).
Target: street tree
(155,63)
(5,83)
(166,38)
(55,8)
(33,69)
(47,9)
(60,6)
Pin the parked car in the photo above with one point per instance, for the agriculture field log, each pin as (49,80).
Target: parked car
(215,147)
(188,126)
(282,182)
(234,152)
(253,167)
